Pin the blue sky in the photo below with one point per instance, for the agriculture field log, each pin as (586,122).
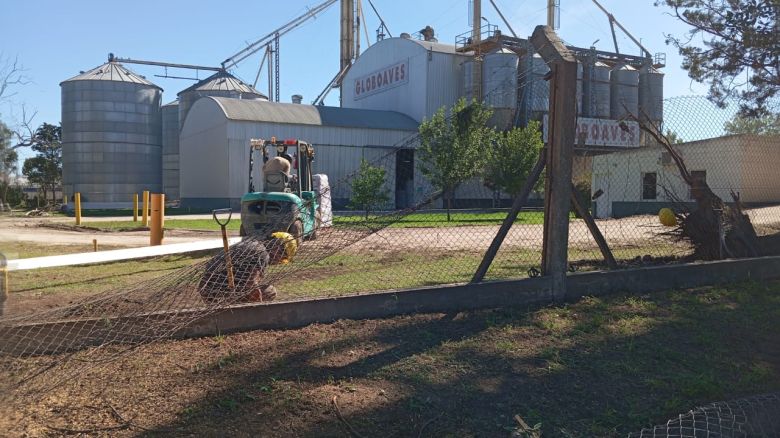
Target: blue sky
(54,40)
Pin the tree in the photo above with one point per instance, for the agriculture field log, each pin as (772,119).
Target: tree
(8,159)
(512,157)
(45,168)
(453,148)
(11,75)
(368,190)
(728,39)
(673,137)
(763,125)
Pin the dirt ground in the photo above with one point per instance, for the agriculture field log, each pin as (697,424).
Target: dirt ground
(595,368)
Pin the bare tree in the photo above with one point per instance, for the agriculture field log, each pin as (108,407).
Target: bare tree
(12,74)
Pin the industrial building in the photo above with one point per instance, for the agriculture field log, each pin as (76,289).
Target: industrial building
(642,181)
(214,152)
(119,140)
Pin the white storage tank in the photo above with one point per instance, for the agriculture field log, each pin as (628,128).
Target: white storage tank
(170,150)
(220,84)
(624,91)
(600,88)
(111,136)
(499,85)
(537,88)
(651,93)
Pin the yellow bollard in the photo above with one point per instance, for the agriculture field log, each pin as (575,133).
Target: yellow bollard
(78,208)
(94,245)
(155,227)
(145,213)
(135,207)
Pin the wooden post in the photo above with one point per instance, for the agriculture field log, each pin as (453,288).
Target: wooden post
(594,230)
(3,283)
(94,245)
(77,206)
(135,207)
(561,138)
(156,225)
(518,203)
(145,212)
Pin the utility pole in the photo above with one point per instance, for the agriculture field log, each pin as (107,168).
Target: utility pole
(476,39)
(347,33)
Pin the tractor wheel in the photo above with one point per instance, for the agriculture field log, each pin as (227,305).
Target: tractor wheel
(296,229)
(317,225)
(242,231)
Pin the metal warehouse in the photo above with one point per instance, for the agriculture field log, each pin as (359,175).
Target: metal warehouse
(644,180)
(214,144)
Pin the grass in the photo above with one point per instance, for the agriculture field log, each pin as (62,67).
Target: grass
(599,367)
(23,250)
(340,274)
(415,220)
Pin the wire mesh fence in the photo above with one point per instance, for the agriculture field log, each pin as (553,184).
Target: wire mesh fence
(386,225)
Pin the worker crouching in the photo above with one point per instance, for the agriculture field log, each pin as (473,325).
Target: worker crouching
(247,263)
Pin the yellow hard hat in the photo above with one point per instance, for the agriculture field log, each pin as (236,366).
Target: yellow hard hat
(290,245)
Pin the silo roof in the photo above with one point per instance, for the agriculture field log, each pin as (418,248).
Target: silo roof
(112,71)
(175,102)
(275,112)
(222,81)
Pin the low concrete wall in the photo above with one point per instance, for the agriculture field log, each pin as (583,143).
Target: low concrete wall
(78,333)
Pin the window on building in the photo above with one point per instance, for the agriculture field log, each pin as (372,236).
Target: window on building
(699,177)
(649,185)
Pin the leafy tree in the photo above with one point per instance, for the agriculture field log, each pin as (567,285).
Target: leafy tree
(367,188)
(728,39)
(764,125)
(453,147)
(45,168)
(673,137)
(8,159)
(512,157)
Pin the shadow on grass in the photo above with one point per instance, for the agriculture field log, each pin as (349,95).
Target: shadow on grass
(595,368)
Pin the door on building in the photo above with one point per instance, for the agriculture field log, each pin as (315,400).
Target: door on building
(404,178)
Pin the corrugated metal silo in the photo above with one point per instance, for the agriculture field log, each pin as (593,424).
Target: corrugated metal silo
(624,91)
(499,85)
(170,150)
(111,136)
(600,89)
(651,93)
(536,88)
(469,70)
(220,84)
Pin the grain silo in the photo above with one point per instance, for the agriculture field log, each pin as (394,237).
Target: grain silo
(111,136)
(470,90)
(220,84)
(624,91)
(170,150)
(499,85)
(535,87)
(651,94)
(598,96)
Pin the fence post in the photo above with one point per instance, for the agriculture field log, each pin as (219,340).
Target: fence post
(561,138)
(135,207)
(3,283)
(77,206)
(156,226)
(145,213)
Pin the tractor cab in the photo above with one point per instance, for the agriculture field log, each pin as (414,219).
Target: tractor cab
(288,201)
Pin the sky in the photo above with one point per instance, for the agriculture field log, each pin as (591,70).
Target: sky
(55,39)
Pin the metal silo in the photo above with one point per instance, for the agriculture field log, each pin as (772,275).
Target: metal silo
(624,91)
(499,85)
(170,150)
(651,93)
(111,136)
(469,70)
(535,88)
(600,90)
(220,84)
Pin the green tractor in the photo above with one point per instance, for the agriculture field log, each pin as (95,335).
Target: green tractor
(289,202)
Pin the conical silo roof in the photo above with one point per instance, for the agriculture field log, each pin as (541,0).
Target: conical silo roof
(223,81)
(112,71)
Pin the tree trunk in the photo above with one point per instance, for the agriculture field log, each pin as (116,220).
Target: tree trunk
(715,229)
(449,206)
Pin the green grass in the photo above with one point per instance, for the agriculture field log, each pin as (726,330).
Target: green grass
(23,250)
(415,220)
